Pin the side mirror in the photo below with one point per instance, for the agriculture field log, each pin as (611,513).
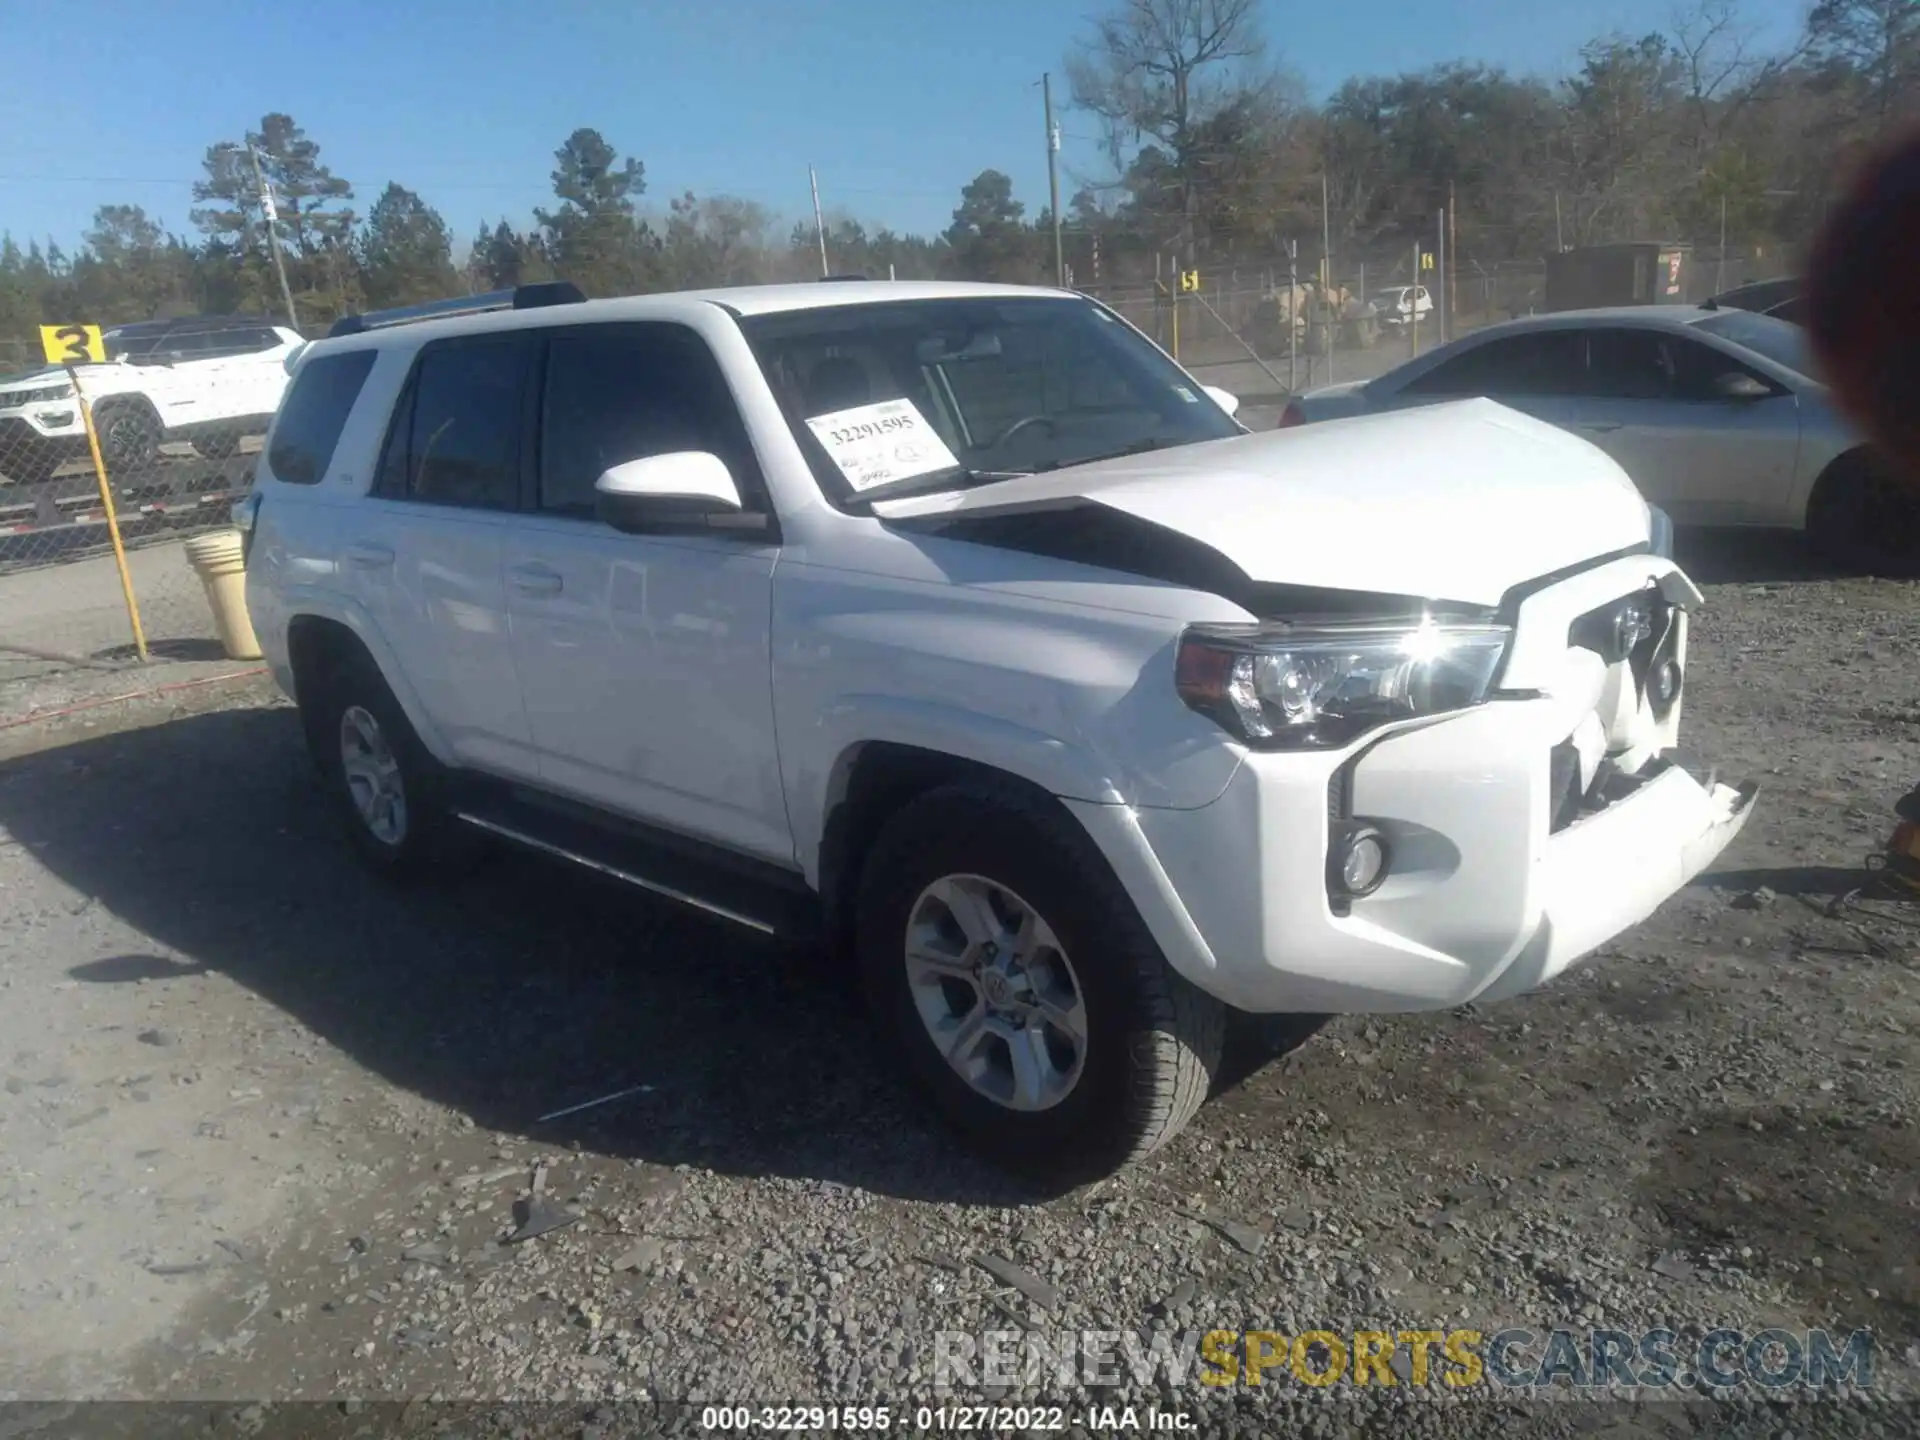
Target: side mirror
(662,489)
(1225,399)
(1738,385)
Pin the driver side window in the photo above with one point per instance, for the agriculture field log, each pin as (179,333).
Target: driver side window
(615,393)
(1698,367)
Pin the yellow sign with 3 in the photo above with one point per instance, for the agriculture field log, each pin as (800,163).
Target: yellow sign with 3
(72,344)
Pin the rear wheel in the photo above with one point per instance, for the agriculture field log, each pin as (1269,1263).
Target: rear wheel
(390,794)
(1023,991)
(1865,517)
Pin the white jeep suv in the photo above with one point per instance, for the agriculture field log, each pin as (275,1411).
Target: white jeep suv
(960,624)
(207,379)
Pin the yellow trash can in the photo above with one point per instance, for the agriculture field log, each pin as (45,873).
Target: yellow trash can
(220,563)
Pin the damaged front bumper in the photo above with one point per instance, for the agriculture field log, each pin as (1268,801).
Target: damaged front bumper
(1495,884)
(1483,901)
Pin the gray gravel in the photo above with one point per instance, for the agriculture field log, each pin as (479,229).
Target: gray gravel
(272,1128)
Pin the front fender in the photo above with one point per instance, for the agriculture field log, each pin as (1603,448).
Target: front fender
(858,720)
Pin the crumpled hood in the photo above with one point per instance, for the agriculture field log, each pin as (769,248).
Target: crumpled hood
(1459,501)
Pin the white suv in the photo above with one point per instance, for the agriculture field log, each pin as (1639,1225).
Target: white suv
(960,623)
(208,379)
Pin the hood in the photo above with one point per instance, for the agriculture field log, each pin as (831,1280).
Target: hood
(33,379)
(1457,502)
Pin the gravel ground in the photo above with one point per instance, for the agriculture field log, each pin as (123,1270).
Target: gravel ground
(271,1127)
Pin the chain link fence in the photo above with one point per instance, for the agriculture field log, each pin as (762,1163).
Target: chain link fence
(1265,331)
(76,607)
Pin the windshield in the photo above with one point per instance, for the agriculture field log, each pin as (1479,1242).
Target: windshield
(1777,340)
(965,391)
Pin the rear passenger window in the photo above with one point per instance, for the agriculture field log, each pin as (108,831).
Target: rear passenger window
(313,415)
(1544,362)
(456,440)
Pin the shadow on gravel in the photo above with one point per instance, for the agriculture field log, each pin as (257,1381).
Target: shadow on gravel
(518,992)
(1822,1196)
(132,970)
(1749,557)
(1803,882)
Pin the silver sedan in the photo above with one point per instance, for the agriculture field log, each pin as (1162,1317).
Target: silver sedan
(1711,411)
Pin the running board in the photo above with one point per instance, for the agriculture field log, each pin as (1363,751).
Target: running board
(620,851)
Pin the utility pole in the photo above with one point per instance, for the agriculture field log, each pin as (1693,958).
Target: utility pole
(1293,314)
(1450,261)
(1440,311)
(1559,241)
(272,220)
(1720,265)
(1326,267)
(1053,179)
(819,225)
(1413,304)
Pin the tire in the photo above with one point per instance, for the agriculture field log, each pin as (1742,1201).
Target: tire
(129,439)
(217,445)
(351,696)
(1865,518)
(1149,1039)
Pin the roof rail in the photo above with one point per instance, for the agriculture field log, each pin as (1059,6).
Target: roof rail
(522,297)
(831,279)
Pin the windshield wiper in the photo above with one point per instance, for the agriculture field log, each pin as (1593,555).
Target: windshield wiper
(935,482)
(1138,447)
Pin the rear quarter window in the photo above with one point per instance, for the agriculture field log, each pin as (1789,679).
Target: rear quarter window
(313,415)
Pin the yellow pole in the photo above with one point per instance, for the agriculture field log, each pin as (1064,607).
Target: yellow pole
(113,521)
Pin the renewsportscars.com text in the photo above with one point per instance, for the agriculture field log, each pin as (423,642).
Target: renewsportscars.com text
(1508,1359)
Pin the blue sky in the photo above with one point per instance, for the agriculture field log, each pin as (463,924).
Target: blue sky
(898,102)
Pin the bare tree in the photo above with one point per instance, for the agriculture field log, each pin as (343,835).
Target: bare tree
(1156,71)
(1873,48)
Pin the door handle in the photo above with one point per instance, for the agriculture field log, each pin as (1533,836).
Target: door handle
(365,556)
(536,581)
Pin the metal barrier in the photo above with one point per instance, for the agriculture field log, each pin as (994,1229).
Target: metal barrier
(98,494)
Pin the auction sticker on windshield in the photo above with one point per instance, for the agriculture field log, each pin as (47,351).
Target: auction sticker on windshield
(876,444)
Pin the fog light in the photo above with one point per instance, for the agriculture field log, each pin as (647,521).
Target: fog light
(1359,861)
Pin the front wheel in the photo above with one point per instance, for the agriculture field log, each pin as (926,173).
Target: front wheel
(129,438)
(1023,991)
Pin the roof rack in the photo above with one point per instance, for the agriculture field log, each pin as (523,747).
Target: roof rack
(831,279)
(521,297)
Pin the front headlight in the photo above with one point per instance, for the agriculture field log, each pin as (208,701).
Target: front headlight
(1293,687)
(16,398)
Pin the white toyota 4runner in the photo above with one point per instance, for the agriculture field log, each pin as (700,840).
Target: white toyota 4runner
(206,379)
(960,623)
